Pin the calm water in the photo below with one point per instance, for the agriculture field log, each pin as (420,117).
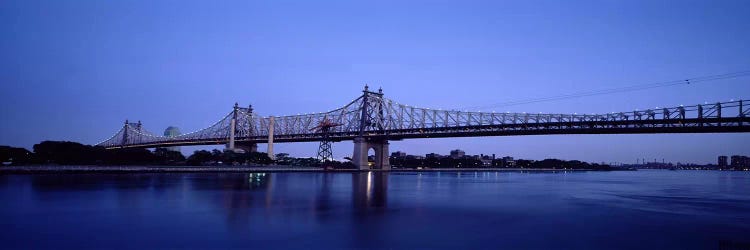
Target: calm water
(563,210)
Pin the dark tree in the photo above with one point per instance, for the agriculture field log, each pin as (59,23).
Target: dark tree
(18,156)
(258,158)
(199,157)
(168,157)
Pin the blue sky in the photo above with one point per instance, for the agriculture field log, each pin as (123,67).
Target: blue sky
(74,70)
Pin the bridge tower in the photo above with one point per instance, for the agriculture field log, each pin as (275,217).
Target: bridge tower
(248,146)
(124,134)
(233,128)
(126,138)
(233,145)
(363,144)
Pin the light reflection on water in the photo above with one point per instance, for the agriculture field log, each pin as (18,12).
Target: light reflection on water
(594,210)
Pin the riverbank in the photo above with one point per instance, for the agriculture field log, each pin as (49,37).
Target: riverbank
(233,169)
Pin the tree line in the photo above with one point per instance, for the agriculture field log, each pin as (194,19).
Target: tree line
(465,162)
(73,153)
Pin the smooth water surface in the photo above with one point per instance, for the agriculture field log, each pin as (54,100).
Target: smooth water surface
(455,210)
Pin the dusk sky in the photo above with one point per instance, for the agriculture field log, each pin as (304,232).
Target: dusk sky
(75,70)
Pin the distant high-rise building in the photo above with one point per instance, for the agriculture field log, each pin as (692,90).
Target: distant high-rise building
(457,153)
(172,131)
(723,161)
(739,161)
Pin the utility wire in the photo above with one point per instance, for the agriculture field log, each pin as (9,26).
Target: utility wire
(688,81)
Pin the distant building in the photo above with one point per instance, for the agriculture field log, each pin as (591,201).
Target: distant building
(739,161)
(415,157)
(172,131)
(508,162)
(723,161)
(486,162)
(433,156)
(398,154)
(473,157)
(457,154)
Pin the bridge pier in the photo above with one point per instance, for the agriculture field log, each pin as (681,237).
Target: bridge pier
(363,145)
(270,138)
(248,147)
(240,147)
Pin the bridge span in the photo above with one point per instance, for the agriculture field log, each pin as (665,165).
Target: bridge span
(371,120)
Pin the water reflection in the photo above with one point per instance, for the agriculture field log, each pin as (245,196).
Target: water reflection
(375,210)
(369,190)
(244,199)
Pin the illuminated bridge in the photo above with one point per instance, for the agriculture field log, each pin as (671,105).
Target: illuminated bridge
(371,120)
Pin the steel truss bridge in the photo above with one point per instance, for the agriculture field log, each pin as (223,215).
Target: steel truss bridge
(371,120)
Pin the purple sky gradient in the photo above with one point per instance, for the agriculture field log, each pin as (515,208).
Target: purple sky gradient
(75,70)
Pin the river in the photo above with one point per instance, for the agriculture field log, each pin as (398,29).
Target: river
(647,209)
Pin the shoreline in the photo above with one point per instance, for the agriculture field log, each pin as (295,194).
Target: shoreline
(245,169)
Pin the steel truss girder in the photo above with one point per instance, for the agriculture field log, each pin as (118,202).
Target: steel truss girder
(386,118)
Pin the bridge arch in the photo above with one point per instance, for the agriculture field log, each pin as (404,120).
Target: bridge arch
(362,147)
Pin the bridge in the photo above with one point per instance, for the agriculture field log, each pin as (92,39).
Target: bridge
(371,120)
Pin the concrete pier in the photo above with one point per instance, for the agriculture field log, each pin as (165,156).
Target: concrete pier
(363,145)
(270,138)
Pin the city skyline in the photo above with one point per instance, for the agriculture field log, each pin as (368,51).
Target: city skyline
(68,78)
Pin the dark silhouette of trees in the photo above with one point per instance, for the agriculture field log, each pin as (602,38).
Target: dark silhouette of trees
(445,162)
(64,153)
(17,156)
(259,158)
(73,153)
(199,157)
(203,157)
(466,162)
(168,157)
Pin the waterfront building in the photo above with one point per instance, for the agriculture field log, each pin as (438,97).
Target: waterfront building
(739,161)
(723,160)
(398,154)
(486,162)
(457,154)
(508,162)
(414,157)
(433,156)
